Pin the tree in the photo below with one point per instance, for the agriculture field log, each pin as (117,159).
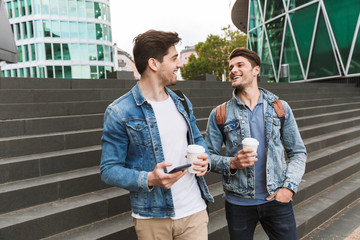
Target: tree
(213,54)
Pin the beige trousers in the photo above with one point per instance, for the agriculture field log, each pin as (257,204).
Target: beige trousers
(193,227)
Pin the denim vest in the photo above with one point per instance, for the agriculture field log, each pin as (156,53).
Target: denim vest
(131,148)
(279,172)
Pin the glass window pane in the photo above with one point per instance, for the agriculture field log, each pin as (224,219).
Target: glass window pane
(274,8)
(9,10)
(8,73)
(15,73)
(97,10)
(57,51)
(48,51)
(46,26)
(355,61)
(40,51)
(64,29)
(275,31)
(22,7)
(90,9)
(20,53)
(25,31)
(85,71)
(33,52)
(290,57)
(18,31)
(76,71)
(99,32)
(38,28)
(101,72)
(63,8)
(72,8)
(16,8)
(84,53)
(104,12)
(34,72)
(255,17)
(81,8)
(100,52)
(343,16)
(37,6)
(82,30)
(323,61)
(92,52)
(55,29)
(67,72)
(45,6)
(42,72)
(266,64)
(49,71)
(21,71)
(297,3)
(256,40)
(29,7)
(31,29)
(27,72)
(107,70)
(66,51)
(106,32)
(73,30)
(58,72)
(107,53)
(91,30)
(26,53)
(54,7)
(75,51)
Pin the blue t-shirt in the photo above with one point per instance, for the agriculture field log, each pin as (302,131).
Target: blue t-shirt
(257,129)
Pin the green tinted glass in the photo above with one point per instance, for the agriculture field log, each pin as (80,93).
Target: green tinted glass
(84,53)
(26,53)
(49,71)
(75,51)
(92,52)
(64,26)
(355,60)
(15,74)
(303,22)
(48,51)
(22,7)
(45,6)
(85,71)
(58,72)
(67,72)
(275,33)
(100,52)
(297,3)
(83,30)
(101,72)
(290,57)
(66,51)
(46,26)
(99,32)
(255,17)
(18,31)
(73,30)
(36,6)
(27,72)
(31,29)
(21,71)
(16,8)
(20,53)
(55,29)
(266,64)
(90,9)
(343,16)
(91,31)
(256,40)
(97,10)
(34,72)
(57,51)
(40,51)
(33,52)
(54,7)
(274,8)
(323,61)
(8,73)
(10,10)
(29,7)
(81,8)
(72,8)
(25,32)
(42,72)
(107,53)
(38,28)
(63,8)
(76,71)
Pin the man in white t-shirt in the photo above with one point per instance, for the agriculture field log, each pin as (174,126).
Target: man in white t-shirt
(146,133)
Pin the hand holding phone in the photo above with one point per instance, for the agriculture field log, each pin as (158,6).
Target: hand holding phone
(180,168)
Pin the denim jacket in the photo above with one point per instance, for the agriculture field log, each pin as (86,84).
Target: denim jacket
(279,172)
(131,148)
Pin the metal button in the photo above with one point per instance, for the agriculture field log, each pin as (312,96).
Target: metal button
(168,214)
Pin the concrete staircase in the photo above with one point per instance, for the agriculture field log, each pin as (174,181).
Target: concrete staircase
(50,132)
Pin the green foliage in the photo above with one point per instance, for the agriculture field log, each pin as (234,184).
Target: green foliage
(213,54)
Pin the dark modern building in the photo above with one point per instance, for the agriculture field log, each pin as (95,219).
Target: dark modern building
(302,40)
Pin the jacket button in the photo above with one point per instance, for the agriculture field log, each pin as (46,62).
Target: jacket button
(151,126)
(168,214)
(156,149)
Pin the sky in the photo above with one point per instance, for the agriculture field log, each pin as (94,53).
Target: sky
(193,20)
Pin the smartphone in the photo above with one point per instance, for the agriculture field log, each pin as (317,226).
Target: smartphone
(180,168)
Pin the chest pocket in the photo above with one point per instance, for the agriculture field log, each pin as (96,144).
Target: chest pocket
(232,132)
(139,132)
(276,128)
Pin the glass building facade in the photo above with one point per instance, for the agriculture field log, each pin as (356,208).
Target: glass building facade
(60,38)
(312,39)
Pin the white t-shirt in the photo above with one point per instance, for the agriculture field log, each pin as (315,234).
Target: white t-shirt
(173,129)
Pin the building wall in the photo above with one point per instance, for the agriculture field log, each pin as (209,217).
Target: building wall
(60,38)
(317,39)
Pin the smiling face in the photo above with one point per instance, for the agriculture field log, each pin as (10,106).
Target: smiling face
(241,73)
(168,68)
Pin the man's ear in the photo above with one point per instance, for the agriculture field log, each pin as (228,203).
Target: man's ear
(256,70)
(153,64)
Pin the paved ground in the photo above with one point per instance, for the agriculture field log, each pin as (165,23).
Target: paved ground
(343,226)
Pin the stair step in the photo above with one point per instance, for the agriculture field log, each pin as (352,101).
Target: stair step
(63,215)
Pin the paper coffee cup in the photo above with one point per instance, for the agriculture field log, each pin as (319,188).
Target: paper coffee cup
(193,151)
(250,143)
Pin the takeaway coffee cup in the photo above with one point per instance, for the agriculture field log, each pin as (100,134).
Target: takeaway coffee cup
(250,143)
(193,151)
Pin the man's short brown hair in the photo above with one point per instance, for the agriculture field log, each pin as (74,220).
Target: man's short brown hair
(251,56)
(152,44)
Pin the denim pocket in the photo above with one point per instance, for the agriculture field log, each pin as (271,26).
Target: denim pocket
(232,132)
(139,132)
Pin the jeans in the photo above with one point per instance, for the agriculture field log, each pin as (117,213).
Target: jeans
(276,218)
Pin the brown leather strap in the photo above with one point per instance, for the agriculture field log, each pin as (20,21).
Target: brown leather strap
(221,113)
(279,108)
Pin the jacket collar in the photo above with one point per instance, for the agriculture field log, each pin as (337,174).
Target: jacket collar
(267,96)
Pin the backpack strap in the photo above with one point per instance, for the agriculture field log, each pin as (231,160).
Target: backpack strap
(280,110)
(183,101)
(221,113)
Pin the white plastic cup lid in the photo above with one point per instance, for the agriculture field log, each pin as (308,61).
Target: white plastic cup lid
(195,149)
(250,142)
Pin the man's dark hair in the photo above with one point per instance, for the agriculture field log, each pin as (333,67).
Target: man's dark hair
(251,56)
(152,44)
